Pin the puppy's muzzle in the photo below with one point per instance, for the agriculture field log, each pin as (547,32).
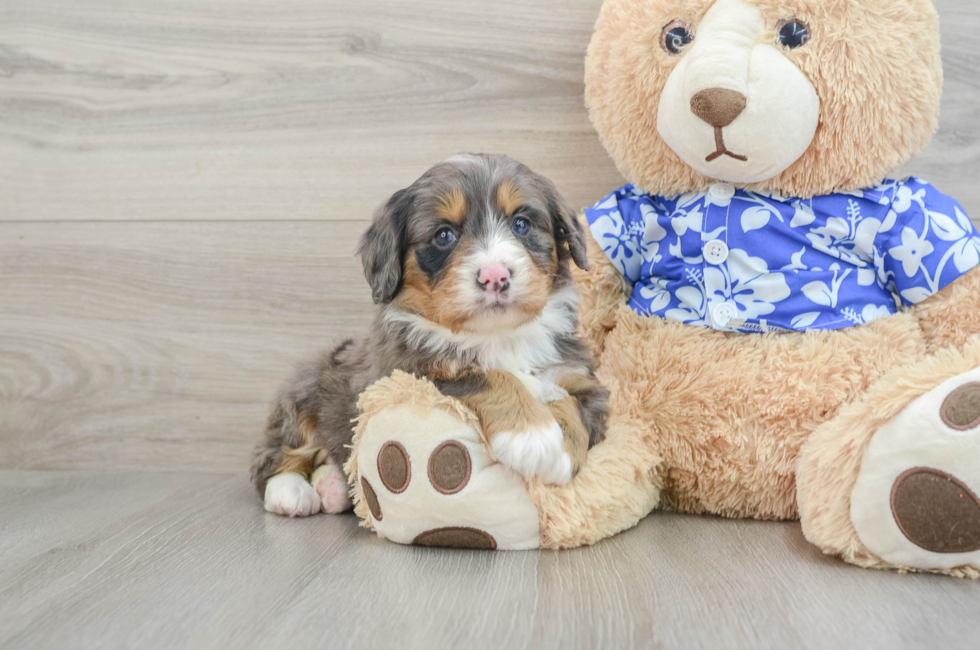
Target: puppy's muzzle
(494,280)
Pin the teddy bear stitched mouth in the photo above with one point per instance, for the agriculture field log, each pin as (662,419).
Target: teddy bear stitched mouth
(722,150)
(719,107)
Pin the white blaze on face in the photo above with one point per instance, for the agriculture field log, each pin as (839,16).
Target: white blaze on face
(496,247)
(734,49)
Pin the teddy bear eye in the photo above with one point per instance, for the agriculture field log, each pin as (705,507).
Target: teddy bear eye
(676,36)
(794,34)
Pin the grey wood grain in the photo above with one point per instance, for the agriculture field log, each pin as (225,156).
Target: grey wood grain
(191,561)
(159,345)
(295,109)
(136,331)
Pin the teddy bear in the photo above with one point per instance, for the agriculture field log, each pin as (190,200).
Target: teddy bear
(787,330)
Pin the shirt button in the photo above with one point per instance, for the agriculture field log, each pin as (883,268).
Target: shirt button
(722,191)
(723,313)
(715,252)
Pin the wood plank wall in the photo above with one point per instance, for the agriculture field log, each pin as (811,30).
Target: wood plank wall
(182,183)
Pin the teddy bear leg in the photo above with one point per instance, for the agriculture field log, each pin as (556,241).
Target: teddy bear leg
(421,473)
(893,480)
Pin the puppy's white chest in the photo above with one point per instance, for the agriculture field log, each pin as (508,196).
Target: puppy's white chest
(533,367)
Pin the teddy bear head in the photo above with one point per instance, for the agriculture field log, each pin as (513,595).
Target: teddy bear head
(800,97)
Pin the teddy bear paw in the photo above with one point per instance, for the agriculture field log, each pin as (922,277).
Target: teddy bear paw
(915,501)
(429,480)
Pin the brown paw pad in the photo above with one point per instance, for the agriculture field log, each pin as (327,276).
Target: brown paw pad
(394,467)
(456,537)
(936,511)
(961,409)
(371,498)
(450,467)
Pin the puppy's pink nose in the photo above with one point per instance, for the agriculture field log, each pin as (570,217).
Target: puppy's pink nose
(494,278)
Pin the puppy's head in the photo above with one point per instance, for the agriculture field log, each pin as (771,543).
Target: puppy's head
(477,244)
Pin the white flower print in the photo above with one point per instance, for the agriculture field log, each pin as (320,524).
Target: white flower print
(825,262)
(692,301)
(682,221)
(905,197)
(911,252)
(756,218)
(655,290)
(963,220)
(803,216)
(613,236)
(803,321)
(945,226)
(821,293)
(653,232)
(966,254)
(796,261)
(751,285)
(691,308)
(866,277)
(850,240)
(868,314)
(874,312)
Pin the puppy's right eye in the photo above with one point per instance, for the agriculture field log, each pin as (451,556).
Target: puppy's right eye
(521,227)
(676,36)
(445,238)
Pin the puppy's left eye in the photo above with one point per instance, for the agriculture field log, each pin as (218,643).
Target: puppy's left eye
(793,34)
(445,238)
(521,227)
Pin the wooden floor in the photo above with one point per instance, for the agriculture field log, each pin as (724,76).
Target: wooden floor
(182,183)
(188,561)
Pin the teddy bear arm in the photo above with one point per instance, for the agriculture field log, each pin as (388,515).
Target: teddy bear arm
(603,289)
(952,315)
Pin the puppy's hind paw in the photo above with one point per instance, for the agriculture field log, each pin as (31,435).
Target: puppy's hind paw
(291,495)
(330,483)
(536,453)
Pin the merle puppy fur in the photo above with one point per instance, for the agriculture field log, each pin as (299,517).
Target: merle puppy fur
(470,269)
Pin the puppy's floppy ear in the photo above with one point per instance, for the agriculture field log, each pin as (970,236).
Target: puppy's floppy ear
(569,236)
(382,247)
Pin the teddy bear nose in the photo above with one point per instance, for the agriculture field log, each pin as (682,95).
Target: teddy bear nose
(718,106)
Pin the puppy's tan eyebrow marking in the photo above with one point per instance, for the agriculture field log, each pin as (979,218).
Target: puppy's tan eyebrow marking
(509,197)
(452,206)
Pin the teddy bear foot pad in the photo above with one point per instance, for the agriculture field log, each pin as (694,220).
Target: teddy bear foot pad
(915,501)
(427,480)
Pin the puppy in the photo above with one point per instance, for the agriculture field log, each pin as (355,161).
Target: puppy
(470,269)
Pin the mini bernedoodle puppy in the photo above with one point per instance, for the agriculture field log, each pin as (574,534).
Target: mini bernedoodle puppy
(470,269)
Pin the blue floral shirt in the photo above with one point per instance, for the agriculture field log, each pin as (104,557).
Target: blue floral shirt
(746,261)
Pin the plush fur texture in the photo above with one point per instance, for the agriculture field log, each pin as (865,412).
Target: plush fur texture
(728,414)
(868,127)
(769,426)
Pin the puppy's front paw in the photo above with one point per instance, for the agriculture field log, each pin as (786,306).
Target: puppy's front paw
(330,483)
(538,452)
(292,495)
